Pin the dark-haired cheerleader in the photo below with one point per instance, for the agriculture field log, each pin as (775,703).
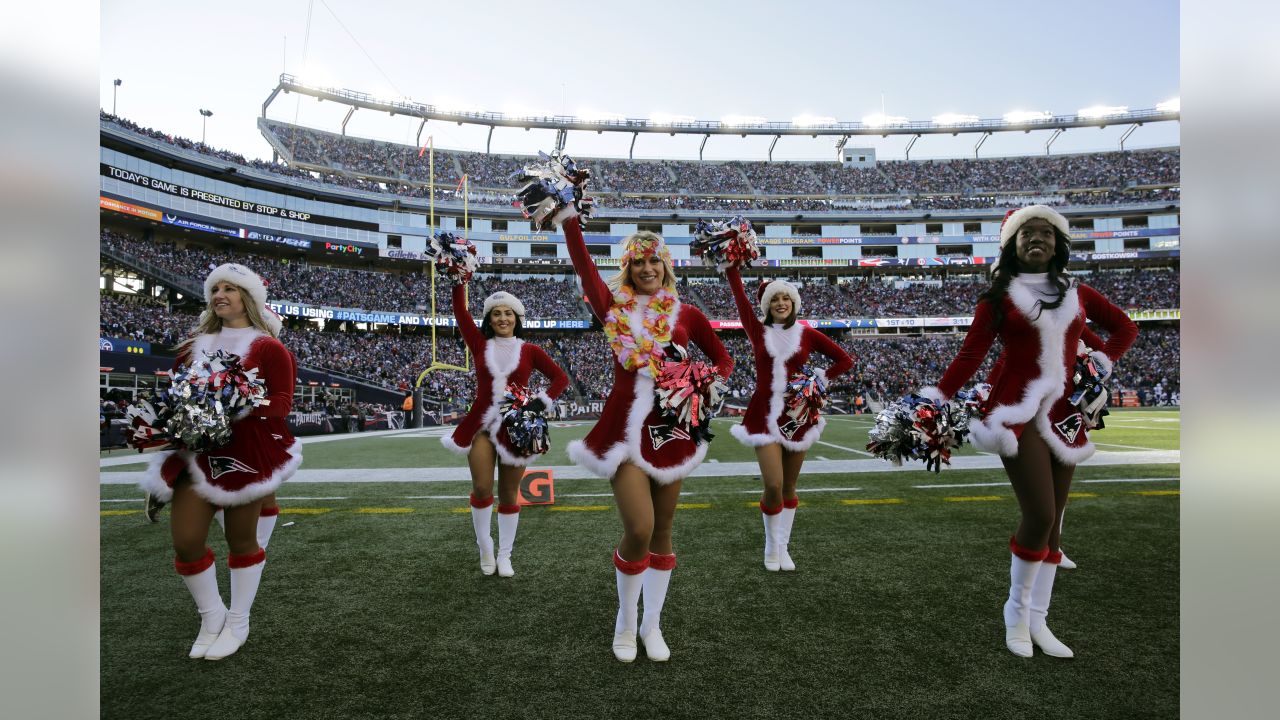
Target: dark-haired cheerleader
(504,363)
(778,424)
(1038,311)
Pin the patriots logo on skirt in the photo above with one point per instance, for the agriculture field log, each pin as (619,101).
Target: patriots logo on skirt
(1070,426)
(790,429)
(221,465)
(660,435)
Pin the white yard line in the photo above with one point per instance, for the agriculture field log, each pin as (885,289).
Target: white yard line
(841,447)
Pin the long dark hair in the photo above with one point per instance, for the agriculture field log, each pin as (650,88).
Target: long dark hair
(1007,269)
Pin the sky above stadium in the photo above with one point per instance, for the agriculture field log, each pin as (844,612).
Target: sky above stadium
(705,59)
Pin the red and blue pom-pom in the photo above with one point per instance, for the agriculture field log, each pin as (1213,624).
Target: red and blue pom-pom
(725,243)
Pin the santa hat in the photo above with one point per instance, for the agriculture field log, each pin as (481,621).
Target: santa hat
(503,298)
(1015,219)
(770,288)
(249,281)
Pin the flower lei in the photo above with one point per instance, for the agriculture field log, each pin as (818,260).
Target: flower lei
(642,354)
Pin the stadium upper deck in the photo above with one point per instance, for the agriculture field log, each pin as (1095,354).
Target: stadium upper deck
(187,187)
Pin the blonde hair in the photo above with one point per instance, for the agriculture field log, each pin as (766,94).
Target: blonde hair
(624,275)
(210,323)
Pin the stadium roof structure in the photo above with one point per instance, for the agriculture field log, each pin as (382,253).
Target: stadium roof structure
(884,126)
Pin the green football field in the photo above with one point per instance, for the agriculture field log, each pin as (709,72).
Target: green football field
(373,605)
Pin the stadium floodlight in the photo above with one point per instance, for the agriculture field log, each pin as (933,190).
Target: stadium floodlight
(954,119)
(204,120)
(1101,111)
(812,120)
(659,118)
(1026,116)
(1174,105)
(115,85)
(881,120)
(740,120)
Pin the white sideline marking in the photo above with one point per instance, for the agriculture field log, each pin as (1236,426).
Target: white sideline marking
(1129,447)
(841,447)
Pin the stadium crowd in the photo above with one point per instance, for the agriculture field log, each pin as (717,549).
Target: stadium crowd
(391,168)
(885,367)
(298,281)
(874,297)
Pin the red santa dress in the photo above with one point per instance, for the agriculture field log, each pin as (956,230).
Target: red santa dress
(630,428)
(262,453)
(500,362)
(1032,382)
(780,353)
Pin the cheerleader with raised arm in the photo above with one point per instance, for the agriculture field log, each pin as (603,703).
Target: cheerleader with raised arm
(644,455)
(237,476)
(504,363)
(1038,311)
(782,420)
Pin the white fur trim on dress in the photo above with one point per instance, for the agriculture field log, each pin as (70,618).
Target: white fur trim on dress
(204,344)
(153,482)
(628,450)
(780,344)
(452,445)
(1031,212)
(992,434)
(500,366)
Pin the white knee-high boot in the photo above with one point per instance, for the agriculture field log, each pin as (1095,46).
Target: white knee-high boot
(508,521)
(655,582)
(481,513)
(771,517)
(201,579)
(267,525)
(1041,592)
(630,576)
(1025,565)
(1067,563)
(786,519)
(246,575)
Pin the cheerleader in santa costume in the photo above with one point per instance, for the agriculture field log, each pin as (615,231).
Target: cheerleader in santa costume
(261,454)
(644,457)
(1038,311)
(781,347)
(502,360)
(1088,341)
